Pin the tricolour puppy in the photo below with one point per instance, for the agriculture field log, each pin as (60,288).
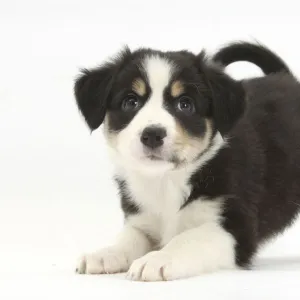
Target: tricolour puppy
(208,167)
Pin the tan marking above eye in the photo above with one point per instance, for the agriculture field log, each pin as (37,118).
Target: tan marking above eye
(139,87)
(177,89)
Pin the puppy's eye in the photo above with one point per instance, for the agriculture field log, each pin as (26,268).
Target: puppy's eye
(186,105)
(131,103)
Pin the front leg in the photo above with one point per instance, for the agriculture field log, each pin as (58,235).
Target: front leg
(131,244)
(206,248)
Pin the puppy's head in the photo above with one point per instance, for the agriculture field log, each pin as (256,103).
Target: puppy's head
(159,109)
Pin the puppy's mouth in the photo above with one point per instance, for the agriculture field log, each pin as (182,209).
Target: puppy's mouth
(159,157)
(154,157)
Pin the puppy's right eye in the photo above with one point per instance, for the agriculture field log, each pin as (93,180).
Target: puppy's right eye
(131,103)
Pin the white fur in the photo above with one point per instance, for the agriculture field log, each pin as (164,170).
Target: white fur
(192,239)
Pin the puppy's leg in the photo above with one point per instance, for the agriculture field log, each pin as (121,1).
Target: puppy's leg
(202,249)
(131,244)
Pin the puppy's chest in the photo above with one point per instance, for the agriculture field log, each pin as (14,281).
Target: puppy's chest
(160,200)
(160,194)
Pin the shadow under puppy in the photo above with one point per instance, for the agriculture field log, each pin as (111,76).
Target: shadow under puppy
(208,167)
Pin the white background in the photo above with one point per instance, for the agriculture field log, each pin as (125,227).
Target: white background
(57,198)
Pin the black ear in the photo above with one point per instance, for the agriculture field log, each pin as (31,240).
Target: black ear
(93,87)
(92,90)
(227,97)
(228,101)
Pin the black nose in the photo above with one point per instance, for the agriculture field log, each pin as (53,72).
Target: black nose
(153,136)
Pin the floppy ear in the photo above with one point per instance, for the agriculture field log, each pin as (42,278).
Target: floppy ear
(228,101)
(227,97)
(92,90)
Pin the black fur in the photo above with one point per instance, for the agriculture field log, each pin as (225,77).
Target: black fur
(259,171)
(92,89)
(226,96)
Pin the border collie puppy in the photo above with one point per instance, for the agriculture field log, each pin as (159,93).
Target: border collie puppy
(208,167)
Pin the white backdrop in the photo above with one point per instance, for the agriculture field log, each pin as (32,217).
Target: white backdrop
(57,198)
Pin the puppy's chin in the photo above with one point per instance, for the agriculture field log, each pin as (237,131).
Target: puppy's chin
(151,164)
(145,163)
(154,166)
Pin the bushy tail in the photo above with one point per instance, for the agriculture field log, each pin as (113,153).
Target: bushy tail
(257,54)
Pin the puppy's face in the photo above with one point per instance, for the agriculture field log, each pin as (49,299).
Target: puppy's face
(158,108)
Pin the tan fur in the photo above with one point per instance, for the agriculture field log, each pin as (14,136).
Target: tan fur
(139,87)
(188,147)
(177,89)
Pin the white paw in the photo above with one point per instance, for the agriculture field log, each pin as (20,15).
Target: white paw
(106,261)
(154,266)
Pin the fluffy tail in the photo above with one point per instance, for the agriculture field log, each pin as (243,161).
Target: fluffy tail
(257,54)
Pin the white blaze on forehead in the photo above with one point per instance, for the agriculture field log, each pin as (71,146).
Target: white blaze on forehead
(159,73)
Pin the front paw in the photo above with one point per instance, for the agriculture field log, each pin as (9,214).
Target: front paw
(106,261)
(154,266)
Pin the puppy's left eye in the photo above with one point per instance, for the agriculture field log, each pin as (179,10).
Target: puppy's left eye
(186,105)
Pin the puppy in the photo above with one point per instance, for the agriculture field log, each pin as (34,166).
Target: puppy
(208,167)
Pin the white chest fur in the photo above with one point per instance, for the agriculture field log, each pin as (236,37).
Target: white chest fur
(160,199)
(161,193)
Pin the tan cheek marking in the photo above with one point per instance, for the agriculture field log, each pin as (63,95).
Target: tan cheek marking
(139,87)
(182,137)
(188,147)
(177,89)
